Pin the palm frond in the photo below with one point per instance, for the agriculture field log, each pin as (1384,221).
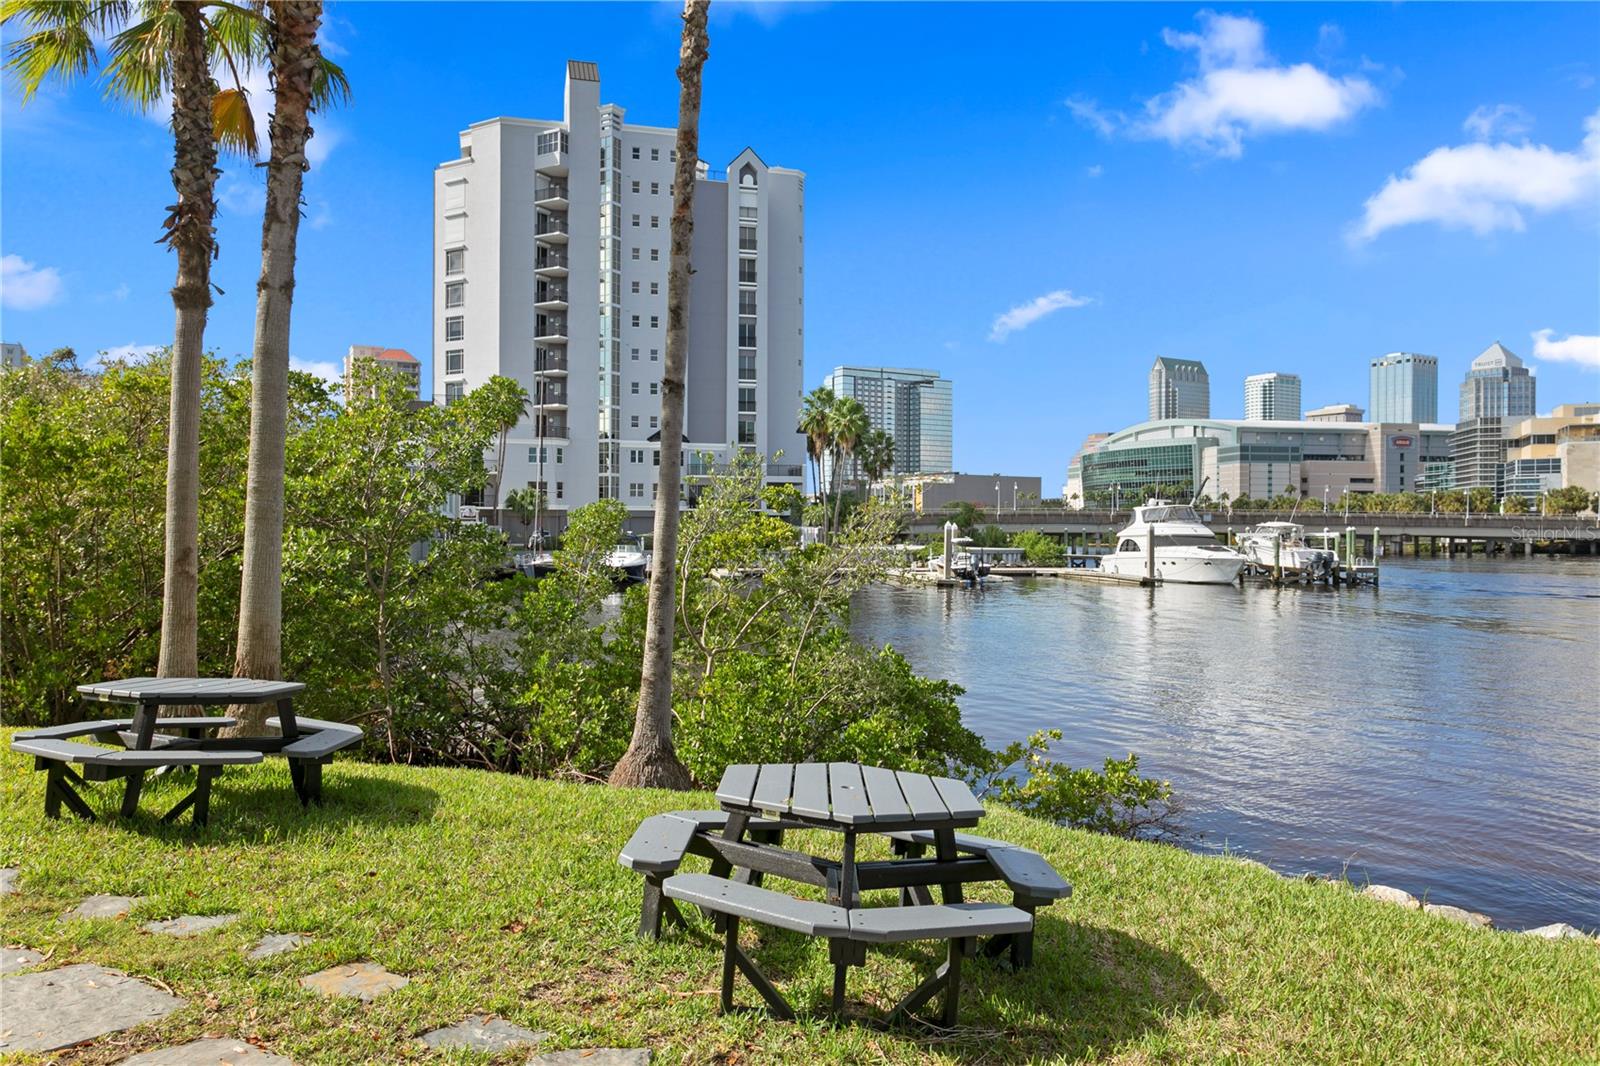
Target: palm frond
(232,124)
(329,86)
(63,42)
(140,67)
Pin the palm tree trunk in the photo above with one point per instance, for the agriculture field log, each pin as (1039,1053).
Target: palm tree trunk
(651,761)
(295,59)
(191,234)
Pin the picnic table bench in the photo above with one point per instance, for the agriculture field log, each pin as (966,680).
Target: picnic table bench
(150,742)
(744,841)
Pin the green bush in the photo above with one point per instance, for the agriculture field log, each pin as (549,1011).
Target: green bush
(1114,800)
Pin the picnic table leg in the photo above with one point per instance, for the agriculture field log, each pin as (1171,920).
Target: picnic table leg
(52,790)
(952,991)
(297,776)
(732,830)
(286,720)
(131,787)
(945,851)
(656,906)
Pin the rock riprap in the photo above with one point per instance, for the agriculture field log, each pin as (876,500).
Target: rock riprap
(277,943)
(1397,896)
(482,1032)
(365,981)
(51,1009)
(1459,914)
(14,959)
(189,924)
(102,906)
(214,1052)
(1557,931)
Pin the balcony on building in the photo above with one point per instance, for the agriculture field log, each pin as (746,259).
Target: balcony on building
(550,262)
(549,329)
(550,395)
(550,229)
(550,195)
(549,426)
(549,361)
(550,153)
(785,470)
(550,295)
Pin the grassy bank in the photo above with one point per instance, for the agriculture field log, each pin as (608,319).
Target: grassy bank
(500,894)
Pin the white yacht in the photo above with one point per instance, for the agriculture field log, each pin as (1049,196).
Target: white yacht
(1284,544)
(1186,551)
(630,559)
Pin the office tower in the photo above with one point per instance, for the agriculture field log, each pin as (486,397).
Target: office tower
(911,405)
(1272,398)
(1497,385)
(551,247)
(1404,388)
(1179,388)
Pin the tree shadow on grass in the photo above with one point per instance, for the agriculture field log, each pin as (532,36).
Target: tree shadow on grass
(255,804)
(1090,990)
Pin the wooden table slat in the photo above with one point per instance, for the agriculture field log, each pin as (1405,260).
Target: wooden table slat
(179,689)
(848,794)
(923,797)
(811,791)
(738,784)
(958,798)
(772,787)
(883,792)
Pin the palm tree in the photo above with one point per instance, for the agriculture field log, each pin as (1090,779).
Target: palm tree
(162,46)
(816,411)
(651,761)
(877,454)
(849,424)
(301,80)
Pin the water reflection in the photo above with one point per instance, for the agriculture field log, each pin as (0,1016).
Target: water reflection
(1439,733)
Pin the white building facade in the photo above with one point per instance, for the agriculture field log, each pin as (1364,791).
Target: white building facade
(551,249)
(1272,397)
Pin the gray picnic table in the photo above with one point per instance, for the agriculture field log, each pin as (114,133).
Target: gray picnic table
(150,742)
(918,812)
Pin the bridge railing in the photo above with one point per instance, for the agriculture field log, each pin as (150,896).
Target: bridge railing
(1389,521)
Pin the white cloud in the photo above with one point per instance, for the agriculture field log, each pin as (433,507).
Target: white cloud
(324,139)
(326,369)
(1024,315)
(242,195)
(1485,187)
(124,353)
(1240,92)
(1095,170)
(1573,348)
(26,286)
(1499,122)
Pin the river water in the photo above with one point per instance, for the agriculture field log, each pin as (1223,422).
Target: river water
(1440,734)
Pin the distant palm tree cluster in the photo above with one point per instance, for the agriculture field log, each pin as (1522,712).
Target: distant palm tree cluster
(837,428)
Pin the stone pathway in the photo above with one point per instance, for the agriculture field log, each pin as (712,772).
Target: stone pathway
(189,924)
(8,879)
(480,1032)
(365,981)
(277,943)
(52,1009)
(102,906)
(14,959)
(595,1056)
(209,1053)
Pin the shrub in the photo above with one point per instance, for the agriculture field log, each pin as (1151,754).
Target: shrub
(1114,800)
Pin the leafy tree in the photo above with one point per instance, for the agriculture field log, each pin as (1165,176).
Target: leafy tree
(157,48)
(651,760)
(966,515)
(1038,549)
(1115,800)
(816,413)
(849,426)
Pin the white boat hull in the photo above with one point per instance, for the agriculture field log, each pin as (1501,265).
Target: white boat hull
(1310,560)
(1178,567)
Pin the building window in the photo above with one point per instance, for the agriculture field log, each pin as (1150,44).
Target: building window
(561,489)
(636,253)
(635,186)
(636,286)
(633,422)
(636,490)
(655,188)
(747,334)
(452,361)
(655,353)
(453,328)
(453,391)
(454,293)
(654,420)
(747,213)
(636,153)
(655,288)
(655,388)
(747,271)
(655,255)
(655,221)
(747,366)
(747,401)
(655,154)
(635,221)
(636,320)
(635,355)
(672,154)
(747,238)
(747,302)
(655,321)
(747,430)
(455,261)
(655,458)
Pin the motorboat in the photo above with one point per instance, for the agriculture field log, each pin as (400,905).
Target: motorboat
(1186,551)
(629,559)
(963,567)
(1272,544)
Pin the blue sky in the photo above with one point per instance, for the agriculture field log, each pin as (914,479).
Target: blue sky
(1035,199)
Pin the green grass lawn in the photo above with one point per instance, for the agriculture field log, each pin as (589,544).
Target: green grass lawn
(500,894)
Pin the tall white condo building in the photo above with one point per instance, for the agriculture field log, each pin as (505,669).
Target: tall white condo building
(551,245)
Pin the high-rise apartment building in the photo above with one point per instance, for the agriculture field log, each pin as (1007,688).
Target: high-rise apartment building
(551,247)
(391,360)
(13,354)
(1404,388)
(1179,388)
(912,405)
(1497,385)
(1272,397)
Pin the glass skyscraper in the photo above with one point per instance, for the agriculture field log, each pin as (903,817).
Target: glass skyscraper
(1404,388)
(910,404)
(1179,388)
(1497,386)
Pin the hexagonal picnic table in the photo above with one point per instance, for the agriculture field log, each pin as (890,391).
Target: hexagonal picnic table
(307,743)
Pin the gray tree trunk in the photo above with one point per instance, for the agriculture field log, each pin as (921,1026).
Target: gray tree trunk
(651,761)
(192,235)
(295,58)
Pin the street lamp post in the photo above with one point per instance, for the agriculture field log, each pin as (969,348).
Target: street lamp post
(1013,497)
(997,497)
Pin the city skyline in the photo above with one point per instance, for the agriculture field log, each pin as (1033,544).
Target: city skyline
(1277,238)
